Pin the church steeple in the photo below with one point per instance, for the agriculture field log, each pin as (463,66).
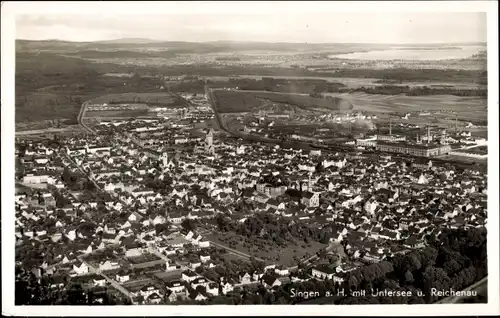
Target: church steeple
(164,159)
(209,140)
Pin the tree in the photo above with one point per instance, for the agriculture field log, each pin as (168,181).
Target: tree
(89,185)
(76,295)
(188,225)
(428,256)
(66,175)
(140,299)
(409,277)
(201,289)
(452,266)
(222,222)
(61,201)
(199,269)
(412,263)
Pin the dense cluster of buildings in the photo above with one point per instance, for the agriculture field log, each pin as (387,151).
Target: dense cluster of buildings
(144,179)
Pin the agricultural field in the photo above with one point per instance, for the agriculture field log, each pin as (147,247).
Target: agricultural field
(354,82)
(38,106)
(59,131)
(480,150)
(443,107)
(126,113)
(151,99)
(287,256)
(479,132)
(50,86)
(249,101)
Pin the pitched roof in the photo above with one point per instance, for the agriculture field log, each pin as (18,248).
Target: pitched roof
(308,194)
(269,279)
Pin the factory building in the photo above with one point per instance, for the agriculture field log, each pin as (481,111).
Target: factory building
(372,140)
(367,142)
(391,138)
(420,150)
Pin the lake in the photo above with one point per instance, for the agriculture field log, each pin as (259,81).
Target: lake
(414,54)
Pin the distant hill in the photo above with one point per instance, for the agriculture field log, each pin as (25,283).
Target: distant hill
(206,47)
(48,45)
(188,47)
(128,41)
(96,54)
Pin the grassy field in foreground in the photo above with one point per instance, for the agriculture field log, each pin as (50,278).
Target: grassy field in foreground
(272,254)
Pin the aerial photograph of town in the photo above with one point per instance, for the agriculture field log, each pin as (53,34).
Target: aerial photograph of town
(226,163)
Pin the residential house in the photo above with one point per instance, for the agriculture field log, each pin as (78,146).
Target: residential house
(135,217)
(310,199)
(270,280)
(171,296)
(148,290)
(176,286)
(281,270)
(204,258)
(197,296)
(189,276)
(154,298)
(199,281)
(212,289)
(323,271)
(171,267)
(245,279)
(204,244)
(194,264)
(80,268)
(99,281)
(122,277)
(134,251)
(227,287)
(108,265)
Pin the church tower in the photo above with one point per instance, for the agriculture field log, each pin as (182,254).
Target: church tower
(209,142)
(209,139)
(164,159)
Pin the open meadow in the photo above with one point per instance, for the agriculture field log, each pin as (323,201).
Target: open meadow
(247,101)
(152,99)
(117,114)
(286,256)
(443,107)
(357,82)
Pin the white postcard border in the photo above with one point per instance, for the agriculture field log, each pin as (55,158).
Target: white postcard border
(11,9)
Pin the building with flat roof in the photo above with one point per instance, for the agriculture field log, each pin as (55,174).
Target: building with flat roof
(391,137)
(420,150)
(367,142)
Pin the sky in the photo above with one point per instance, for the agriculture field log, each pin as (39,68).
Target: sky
(311,27)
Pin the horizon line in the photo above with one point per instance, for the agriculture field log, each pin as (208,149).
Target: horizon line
(236,41)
